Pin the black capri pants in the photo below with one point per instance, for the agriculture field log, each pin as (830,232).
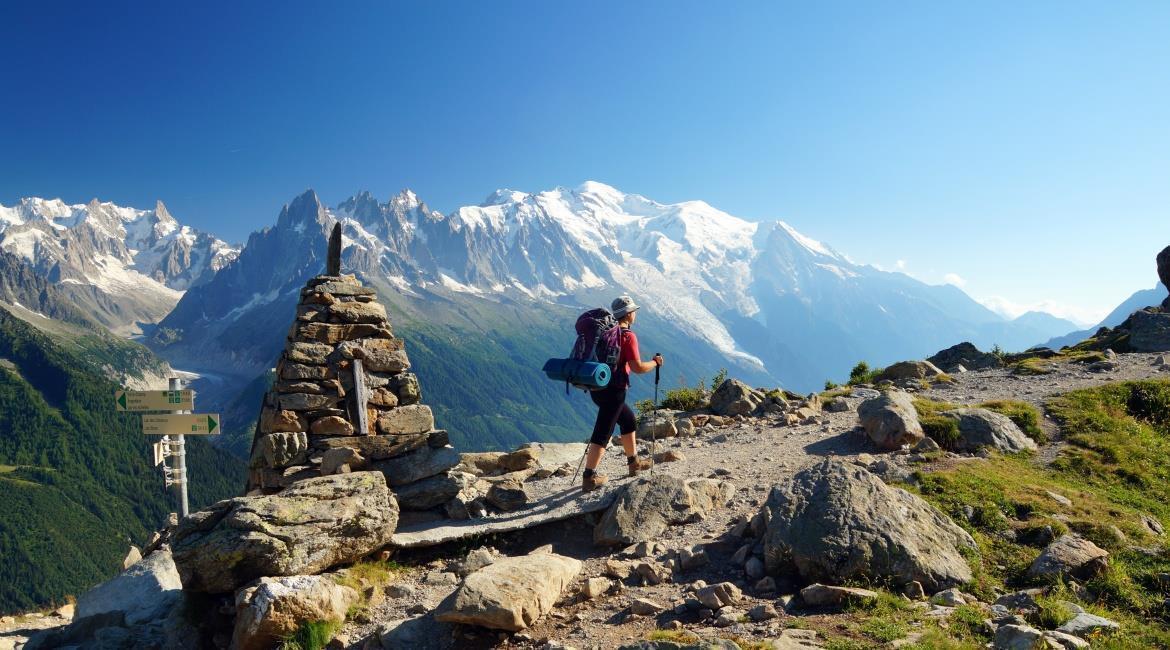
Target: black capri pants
(611,410)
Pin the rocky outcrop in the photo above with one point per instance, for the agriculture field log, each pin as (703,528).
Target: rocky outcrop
(273,608)
(1070,556)
(315,524)
(964,354)
(835,522)
(1149,331)
(733,397)
(143,592)
(984,428)
(890,420)
(512,593)
(909,370)
(1163,261)
(647,506)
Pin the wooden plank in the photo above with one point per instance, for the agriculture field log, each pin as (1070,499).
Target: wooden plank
(361,397)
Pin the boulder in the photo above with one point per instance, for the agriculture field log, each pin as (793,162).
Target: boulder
(1018,637)
(836,522)
(657,425)
(1163,260)
(984,428)
(133,556)
(431,492)
(312,525)
(719,595)
(273,421)
(331,425)
(512,593)
(1085,624)
(143,592)
(819,595)
(310,353)
(421,463)
(375,447)
(480,463)
(647,506)
(1149,331)
(890,420)
(965,356)
(341,460)
(733,397)
(272,609)
(507,494)
(521,459)
(909,370)
(1070,555)
(279,450)
(416,418)
(358,312)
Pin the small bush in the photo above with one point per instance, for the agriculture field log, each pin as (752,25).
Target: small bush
(830,384)
(1026,416)
(942,429)
(1051,615)
(644,406)
(312,635)
(685,398)
(863,374)
(718,379)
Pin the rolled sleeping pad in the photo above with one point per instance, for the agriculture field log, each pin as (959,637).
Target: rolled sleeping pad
(581,373)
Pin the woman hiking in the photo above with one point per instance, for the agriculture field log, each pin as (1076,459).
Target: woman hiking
(611,401)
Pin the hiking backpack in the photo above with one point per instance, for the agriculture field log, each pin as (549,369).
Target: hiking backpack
(599,338)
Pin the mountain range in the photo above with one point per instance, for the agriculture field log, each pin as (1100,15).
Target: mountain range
(123,267)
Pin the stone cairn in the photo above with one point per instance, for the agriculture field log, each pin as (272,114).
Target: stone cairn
(344,400)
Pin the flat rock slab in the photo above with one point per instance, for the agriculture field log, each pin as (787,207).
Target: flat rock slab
(552,499)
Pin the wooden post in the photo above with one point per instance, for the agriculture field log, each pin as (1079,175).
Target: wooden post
(361,398)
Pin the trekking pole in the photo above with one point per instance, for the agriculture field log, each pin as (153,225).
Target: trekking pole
(582,462)
(653,436)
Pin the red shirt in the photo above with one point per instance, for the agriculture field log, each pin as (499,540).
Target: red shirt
(629,353)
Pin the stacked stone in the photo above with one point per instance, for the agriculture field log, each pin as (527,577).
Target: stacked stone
(309,421)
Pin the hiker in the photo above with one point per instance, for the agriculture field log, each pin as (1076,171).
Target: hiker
(611,401)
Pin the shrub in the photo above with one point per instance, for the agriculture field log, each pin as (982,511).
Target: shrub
(685,398)
(718,379)
(942,429)
(644,406)
(863,374)
(830,384)
(312,635)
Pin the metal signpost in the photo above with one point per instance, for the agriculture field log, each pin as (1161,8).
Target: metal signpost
(172,426)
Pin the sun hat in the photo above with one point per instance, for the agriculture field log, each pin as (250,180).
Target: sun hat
(622,306)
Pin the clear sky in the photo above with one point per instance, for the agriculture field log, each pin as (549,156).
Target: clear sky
(1020,149)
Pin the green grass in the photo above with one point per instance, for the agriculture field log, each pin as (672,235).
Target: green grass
(311,635)
(1113,470)
(1033,366)
(1024,415)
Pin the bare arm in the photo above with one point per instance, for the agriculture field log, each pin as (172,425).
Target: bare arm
(642,367)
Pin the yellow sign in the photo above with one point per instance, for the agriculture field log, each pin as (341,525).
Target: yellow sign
(154,400)
(191,424)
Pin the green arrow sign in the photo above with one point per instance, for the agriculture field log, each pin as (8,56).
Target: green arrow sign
(154,400)
(174,424)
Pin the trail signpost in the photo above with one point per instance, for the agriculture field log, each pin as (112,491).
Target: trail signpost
(181,424)
(154,400)
(168,413)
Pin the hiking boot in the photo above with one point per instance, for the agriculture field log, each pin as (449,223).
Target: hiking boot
(639,465)
(591,483)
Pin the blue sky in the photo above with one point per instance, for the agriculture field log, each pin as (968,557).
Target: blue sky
(1021,150)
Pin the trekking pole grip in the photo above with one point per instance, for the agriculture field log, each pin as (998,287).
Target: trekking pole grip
(657,367)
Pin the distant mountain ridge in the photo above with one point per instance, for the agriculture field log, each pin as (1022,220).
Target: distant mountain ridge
(1136,301)
(773,305)
(122,266)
